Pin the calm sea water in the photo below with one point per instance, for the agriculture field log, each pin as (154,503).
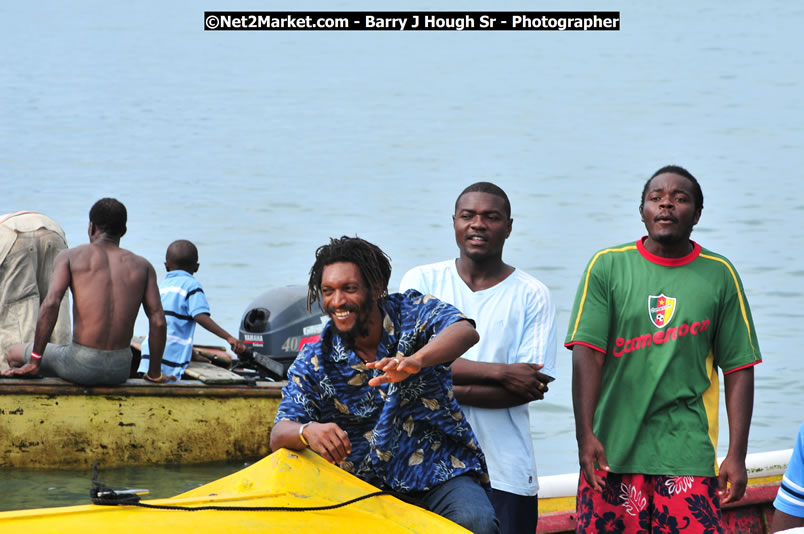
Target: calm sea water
(259,146)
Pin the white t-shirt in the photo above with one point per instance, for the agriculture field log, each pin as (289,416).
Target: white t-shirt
(516,321)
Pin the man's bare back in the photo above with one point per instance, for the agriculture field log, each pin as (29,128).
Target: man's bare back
(108,285)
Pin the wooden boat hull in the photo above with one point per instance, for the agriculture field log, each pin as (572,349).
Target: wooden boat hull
(50,423)
(283,479)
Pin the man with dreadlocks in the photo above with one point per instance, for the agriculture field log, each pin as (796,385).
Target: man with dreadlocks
(374,395)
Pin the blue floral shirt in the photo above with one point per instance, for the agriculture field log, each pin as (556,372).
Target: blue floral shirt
(409,436)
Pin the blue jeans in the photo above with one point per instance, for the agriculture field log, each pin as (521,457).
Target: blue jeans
(464,501)
(518,514)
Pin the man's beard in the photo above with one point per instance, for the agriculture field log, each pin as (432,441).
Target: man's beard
(359,329)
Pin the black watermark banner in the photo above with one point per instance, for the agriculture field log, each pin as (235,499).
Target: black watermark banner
(412,20)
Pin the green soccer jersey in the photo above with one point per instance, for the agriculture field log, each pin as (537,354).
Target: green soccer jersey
(665,326)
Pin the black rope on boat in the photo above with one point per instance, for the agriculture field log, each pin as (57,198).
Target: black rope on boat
(259,508)
(104,495)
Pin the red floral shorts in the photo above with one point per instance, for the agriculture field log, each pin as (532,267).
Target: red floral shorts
(649,504)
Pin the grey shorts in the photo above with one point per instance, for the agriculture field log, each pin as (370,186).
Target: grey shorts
(84,365)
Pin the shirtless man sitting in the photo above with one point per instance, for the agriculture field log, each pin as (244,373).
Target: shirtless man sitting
(108,284)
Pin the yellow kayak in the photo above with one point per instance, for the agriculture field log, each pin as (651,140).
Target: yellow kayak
(283,479)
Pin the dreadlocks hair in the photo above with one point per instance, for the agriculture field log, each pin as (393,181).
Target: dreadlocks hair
(373,263)
(491,189)
(109,215)
(680,171)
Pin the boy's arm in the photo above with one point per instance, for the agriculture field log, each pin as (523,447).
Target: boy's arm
(783,521)
(206,321)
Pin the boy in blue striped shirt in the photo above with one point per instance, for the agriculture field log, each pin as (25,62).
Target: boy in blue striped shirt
(185,305)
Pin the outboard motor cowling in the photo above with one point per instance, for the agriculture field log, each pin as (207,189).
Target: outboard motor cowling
(277,324)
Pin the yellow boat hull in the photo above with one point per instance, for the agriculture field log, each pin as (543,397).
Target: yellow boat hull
(50,423)
(284,479)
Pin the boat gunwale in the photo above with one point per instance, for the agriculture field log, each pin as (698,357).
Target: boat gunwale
(137,387)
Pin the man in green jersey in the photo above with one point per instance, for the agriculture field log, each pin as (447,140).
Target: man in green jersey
(652,322)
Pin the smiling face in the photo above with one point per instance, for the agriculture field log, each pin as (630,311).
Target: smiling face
(669,211)
(481,225)
(347,300)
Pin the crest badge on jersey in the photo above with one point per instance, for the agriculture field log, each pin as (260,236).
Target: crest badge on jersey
(661,309)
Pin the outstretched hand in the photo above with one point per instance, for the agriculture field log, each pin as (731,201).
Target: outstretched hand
(589,452)
(732,480)
(395,369)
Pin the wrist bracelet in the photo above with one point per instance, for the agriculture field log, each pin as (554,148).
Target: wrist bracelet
(301,433)
(36,356)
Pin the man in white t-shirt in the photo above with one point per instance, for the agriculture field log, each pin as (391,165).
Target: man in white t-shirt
(515,358)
